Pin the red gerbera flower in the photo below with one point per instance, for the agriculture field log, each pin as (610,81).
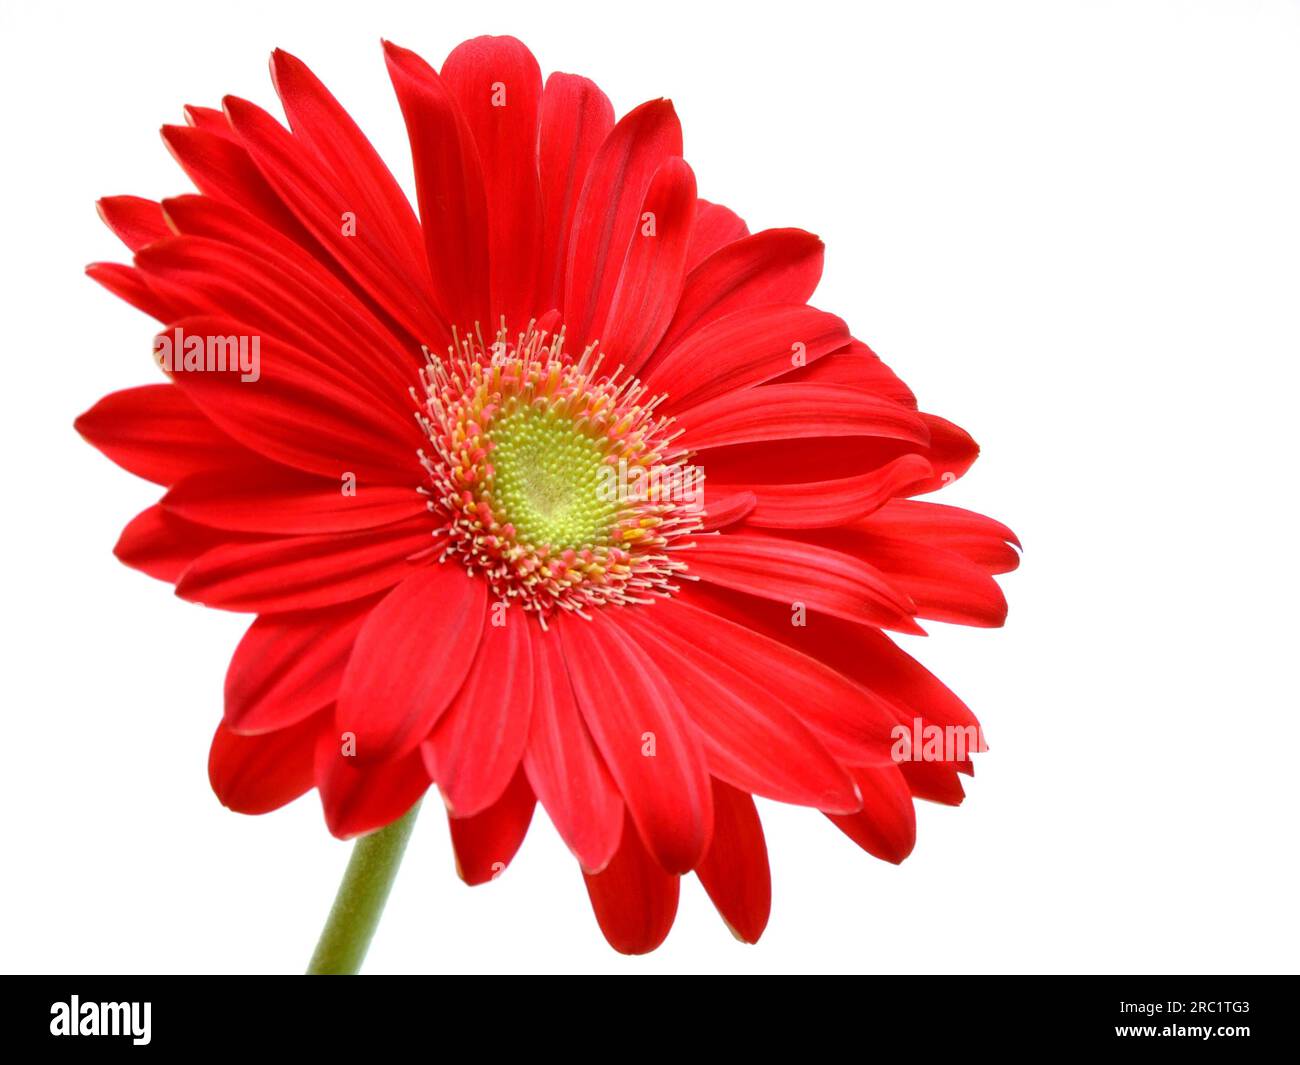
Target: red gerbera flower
(452,468)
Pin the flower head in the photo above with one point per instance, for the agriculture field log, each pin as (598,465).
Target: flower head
(453,464)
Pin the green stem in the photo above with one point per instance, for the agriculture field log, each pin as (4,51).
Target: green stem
(360,901)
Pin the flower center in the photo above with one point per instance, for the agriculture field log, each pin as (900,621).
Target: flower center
(532,454)
(548,481)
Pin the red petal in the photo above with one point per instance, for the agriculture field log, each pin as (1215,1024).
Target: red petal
(135,221)
(450,186)
(304,276)
(793,572)
(156,433)
(774,266)
(485,843)
(563,767)
(385,221)
(725,507)
(273,414)
(715,227)
(129,284)
(734,871)
(576,119)
(304,572)
(746,348)
(258,774)
(609,212)
(748,721)
(642,731)
(212,119)
(272,296)
(854,725)
(220,167)
(819,504)
(653,270)
(900,685)
(856,365)
(791,461)
(288,666)
(874,659)
(788,412)
(934,781)
(271,499)
(886,825)
(477,744)
(362,798)
(320,200)
(952,451)
(944,585)
(165,546)
(410,659)
(634,900)
(974,536)
(498,85)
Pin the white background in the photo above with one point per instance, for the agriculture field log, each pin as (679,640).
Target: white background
(1074,228)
